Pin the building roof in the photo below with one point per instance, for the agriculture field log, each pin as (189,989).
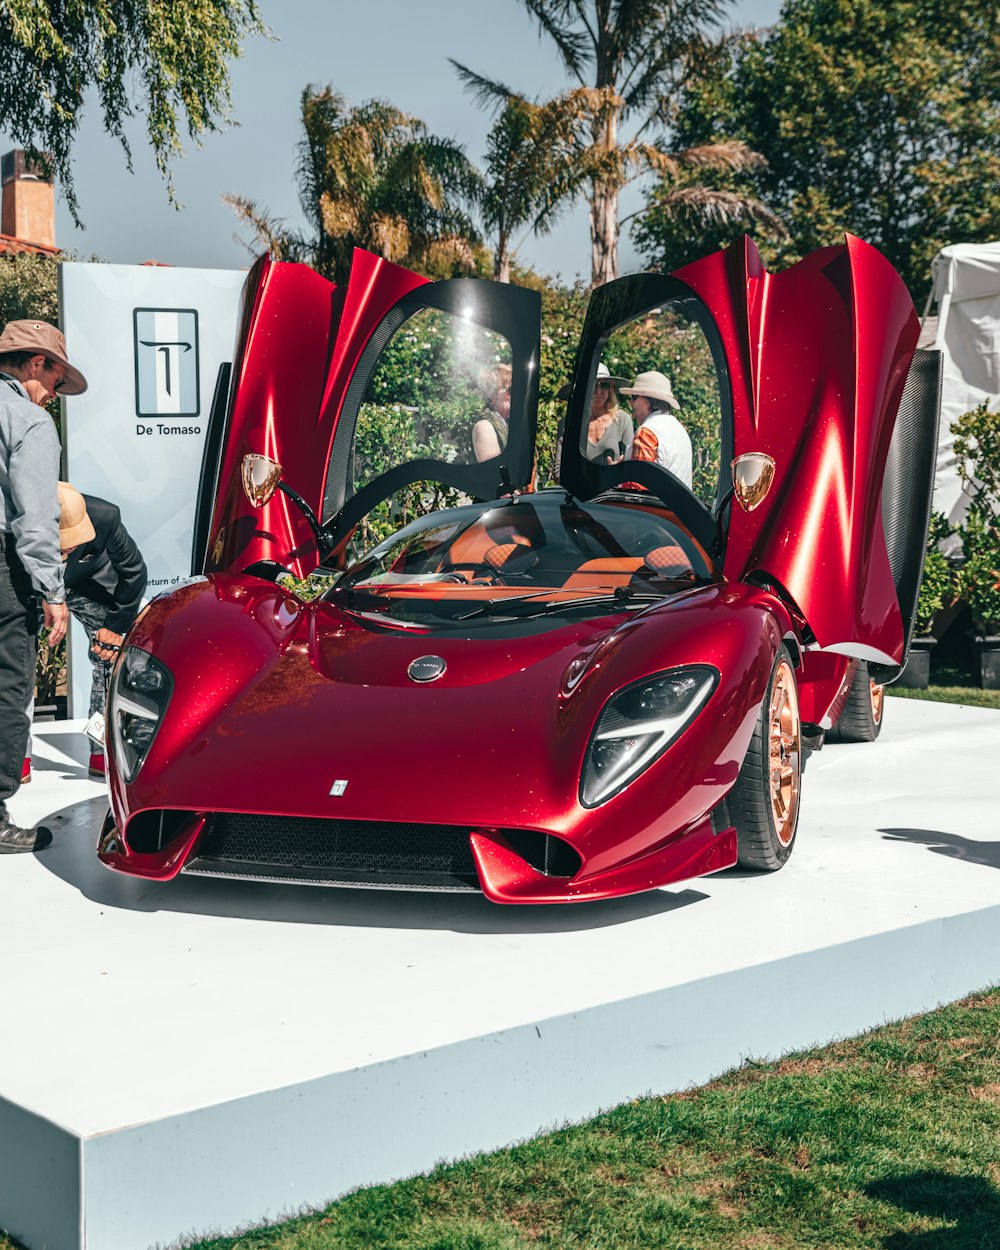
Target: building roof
(8,243)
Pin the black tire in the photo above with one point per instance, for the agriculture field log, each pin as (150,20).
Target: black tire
(861,719)
(765,810)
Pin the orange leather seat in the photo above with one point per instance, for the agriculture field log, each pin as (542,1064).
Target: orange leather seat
(607,571)
(668,561)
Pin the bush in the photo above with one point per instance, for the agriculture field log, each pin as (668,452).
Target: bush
(937,584)
(977,449)
(979,576)
(439,429)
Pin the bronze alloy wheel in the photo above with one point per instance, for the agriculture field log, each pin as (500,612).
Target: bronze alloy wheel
(877,695)
(785,752)
(861,717)
(763,805)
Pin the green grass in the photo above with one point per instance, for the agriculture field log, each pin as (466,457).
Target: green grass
(971,696)
(890,1141)
(954,679)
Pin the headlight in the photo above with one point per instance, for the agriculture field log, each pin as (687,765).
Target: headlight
(638,724)
(139,697)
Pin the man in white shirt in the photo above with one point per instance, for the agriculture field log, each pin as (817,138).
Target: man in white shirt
(660,437)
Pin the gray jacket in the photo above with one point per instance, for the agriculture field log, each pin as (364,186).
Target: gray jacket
(29,474)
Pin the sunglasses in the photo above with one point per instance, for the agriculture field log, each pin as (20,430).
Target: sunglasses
(50,367)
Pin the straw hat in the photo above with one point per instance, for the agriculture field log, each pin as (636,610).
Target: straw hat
(42,339)
(653,385)
(75,525)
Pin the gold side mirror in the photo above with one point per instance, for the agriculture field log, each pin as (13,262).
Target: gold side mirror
(261,476)
(753,474)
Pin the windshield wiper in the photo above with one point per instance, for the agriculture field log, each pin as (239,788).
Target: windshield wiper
(619,595)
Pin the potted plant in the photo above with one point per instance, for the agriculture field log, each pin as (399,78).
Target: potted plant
(977,448)
(937,591)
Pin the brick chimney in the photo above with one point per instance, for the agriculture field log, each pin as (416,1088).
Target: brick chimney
(29,201)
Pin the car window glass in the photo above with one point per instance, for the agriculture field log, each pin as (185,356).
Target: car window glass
(536,550)
(677,421)
(440,390)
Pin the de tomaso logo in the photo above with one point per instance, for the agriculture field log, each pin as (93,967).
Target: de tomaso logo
(166,362)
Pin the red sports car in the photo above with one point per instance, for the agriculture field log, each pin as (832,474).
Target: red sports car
(402,664)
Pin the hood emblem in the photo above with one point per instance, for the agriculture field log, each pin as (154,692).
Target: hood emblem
(338,788)
(426,668)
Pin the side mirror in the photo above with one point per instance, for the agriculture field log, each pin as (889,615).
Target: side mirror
(261,476)
(753,474)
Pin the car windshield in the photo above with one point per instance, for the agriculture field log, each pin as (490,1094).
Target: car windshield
(541,553)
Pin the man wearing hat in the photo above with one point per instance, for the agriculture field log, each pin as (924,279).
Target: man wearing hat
(31,565)
(660,437)
(105,582)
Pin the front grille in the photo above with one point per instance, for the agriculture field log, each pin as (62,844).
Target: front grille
(349,852)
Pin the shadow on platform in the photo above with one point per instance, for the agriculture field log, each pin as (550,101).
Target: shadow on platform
(73,858)
(953,845)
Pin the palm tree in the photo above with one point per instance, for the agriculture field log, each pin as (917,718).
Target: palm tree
(632,56)
(531,171)
(683,217)
(372,177)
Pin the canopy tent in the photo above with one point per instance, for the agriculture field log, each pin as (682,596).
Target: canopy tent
(967,293)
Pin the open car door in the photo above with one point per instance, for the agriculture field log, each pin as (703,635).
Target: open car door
(810,365)
(360,391)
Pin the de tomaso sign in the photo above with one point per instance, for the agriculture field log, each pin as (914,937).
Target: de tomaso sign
(149,340)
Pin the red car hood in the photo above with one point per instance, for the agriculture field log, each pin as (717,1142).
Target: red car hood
(301,697)
(306,696)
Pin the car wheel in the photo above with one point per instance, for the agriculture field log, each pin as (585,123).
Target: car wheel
(764,803)
(861,719)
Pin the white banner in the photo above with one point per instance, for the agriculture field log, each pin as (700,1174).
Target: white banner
(149,340)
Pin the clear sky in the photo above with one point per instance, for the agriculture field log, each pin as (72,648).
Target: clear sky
(390,49)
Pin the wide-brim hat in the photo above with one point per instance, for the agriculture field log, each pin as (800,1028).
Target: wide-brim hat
(75,525)
(653,385)
(603,375)
(42,339)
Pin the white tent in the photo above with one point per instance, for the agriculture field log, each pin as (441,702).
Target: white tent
(967,293)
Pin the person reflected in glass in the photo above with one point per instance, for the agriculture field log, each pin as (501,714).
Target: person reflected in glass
(489,433)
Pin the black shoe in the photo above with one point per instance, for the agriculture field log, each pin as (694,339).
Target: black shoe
(14,839)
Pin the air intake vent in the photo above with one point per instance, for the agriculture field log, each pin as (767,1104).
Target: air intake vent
(337,852)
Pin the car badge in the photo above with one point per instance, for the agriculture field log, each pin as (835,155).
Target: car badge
(338,788)
(426,668)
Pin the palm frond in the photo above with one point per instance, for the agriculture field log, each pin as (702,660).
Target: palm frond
(731,154)
(339,216)
(719,208)
(390,234)
(270,234)
(572,44)
(487,92)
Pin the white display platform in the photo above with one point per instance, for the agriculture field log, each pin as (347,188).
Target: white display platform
(193,1057)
